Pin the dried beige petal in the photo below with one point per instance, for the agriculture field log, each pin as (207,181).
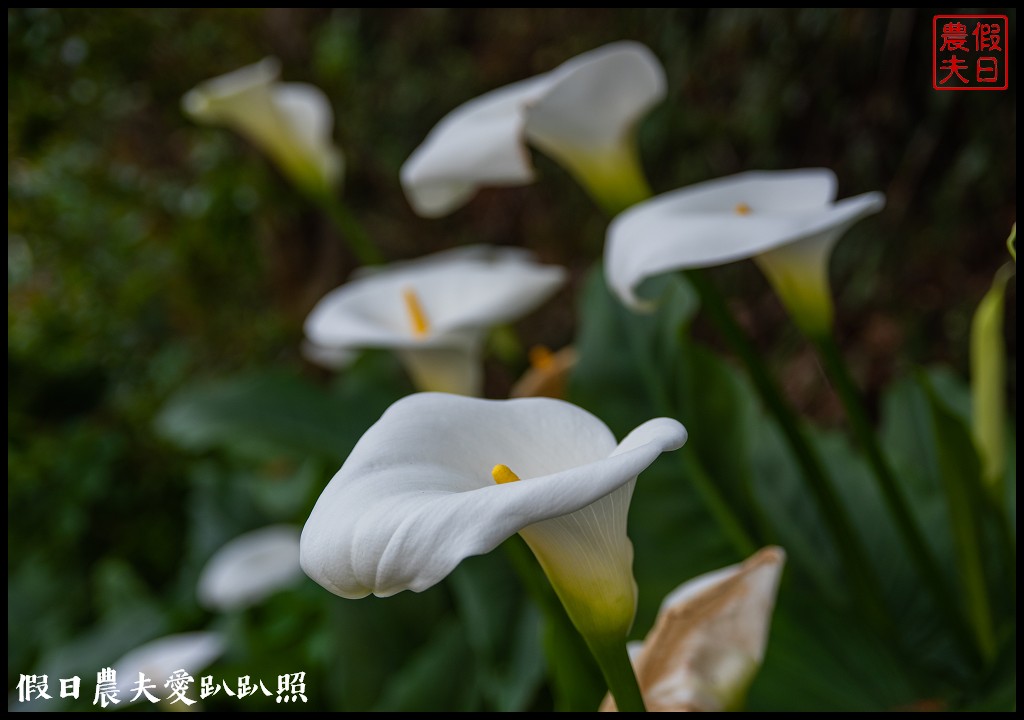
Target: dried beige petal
(709,639)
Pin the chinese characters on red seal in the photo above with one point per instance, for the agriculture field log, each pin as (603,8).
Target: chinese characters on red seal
(970,52)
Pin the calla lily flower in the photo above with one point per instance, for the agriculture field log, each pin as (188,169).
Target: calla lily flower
(434,312)
(250,568)
(786,220)
(291,122)
(582,114)
(440,478)
(192,652)
(709,639)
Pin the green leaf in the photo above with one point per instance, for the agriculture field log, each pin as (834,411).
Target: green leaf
(370,645)
(960,471)
(439,678)
(819,660)
(626,371)
(265,414)
(503,630)
(719,409)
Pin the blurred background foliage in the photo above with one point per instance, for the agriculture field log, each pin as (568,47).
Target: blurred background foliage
(159,273)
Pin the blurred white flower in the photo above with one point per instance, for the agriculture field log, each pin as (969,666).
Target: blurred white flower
(582,114)
(291,122)
(434,312)
(709,639)
(787,220)
(192,652)
(250,568)
(440,478)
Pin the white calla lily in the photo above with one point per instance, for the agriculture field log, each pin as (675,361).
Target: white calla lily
(787,220)
(291,122)
(583,114)
(158,659)
(250,568)
(433,312)
(709,639)
(437,480)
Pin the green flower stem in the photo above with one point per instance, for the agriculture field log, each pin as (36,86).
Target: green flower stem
(863,582)
(618,672)
(355,236)
(896,501)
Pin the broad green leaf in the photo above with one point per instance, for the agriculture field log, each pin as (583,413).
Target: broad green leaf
(526,667)
(922,630)
(961,475)
(819,660)
(286,493)
(998,690)
(266,414)
(439,678)
(368,645)
(931,451)
(627,368)
(719,410)
(503,630)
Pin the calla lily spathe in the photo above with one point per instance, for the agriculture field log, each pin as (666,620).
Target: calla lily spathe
(787,220)
(709,639)
(434,312)
(291,122)
(250,568)
(429,485)
(582,114)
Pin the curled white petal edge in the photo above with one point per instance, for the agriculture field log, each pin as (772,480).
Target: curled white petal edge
(617,83)
(483,142)
(478,143)
(670,233)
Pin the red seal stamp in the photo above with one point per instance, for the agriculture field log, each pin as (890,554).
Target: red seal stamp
(970,52)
